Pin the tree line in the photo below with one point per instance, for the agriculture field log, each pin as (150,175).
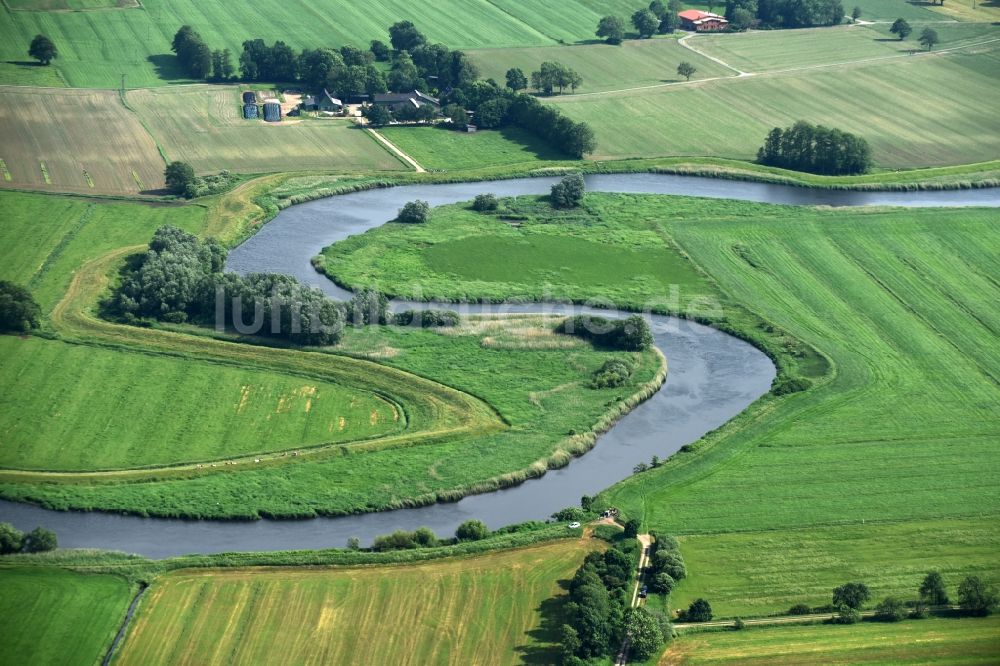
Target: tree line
(743,14)
(815,149)
(630,334)
(38,540)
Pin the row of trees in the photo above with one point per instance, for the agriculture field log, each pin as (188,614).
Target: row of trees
(38,540)
(975,598)
(815,149)
(197,59)
(552,75)
(597,617)
(742,14)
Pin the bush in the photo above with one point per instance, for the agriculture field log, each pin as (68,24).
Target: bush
(414,212)
(568,192)
(739,624)
(920,612)
(485,203)
(422,537)
(615,372)
(699,611)
(427,318)
(11,539)
(368,307)
(799,609)
(472,530)
(40,540)
(975,597)
(19,313)
(786,385)
(890,609)
(847,615)
(571,513)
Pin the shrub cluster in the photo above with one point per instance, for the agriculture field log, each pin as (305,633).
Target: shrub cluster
(568,192)
(19,312)
(630,334)
(485,203)
(38,540)
(615,372)
(414,212)
(666,565)
(815,149)
(427,318)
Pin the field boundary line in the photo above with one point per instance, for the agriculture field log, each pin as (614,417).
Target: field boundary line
(683,41)
(746,75)
(396,151)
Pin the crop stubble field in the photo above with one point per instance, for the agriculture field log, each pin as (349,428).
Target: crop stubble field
(476,610)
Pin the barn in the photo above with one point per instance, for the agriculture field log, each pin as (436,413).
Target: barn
(699,21)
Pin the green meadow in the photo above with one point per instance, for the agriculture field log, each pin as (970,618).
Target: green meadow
(946,641)
(53,616)
(441,149)
(731,117)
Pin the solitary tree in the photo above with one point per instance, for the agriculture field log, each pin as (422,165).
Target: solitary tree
(686,69)
(516,80)
(40,540)
(180,178)
(43,50)
(414,212)
(19,313)
(901,28)
(612,29)
(699,611)
(568,192)
(932,590)
(852,595)
(928,38)
(645,22)
(975,597)
(855,14)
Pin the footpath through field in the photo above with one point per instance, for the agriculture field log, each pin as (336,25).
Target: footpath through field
(399,153)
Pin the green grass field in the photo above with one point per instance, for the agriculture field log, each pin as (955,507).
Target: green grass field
(731,117)
(439,149)
(897,299)
(96,47)
(604,67)
(788,567)
(946,641)
(202,125)
(489,609)
(53,616)
(68,5)
(81,141)
(460,253)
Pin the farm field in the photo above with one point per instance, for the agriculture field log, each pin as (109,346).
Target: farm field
(748,574)
(475,610)
(68,5)
(689,119)
(76,141)
(438,149)
(53,616)
(876,291)
(460,253)
(95,48)
(946,641)
(159,414)
(202,125)
(890,10)
(603,67)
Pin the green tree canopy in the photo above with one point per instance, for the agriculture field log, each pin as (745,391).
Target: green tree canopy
(686,69)
(901,28)
(19,313)
(43,50)
(928,38)
(612,29)
(976,597)
(472,530)
(644,632)
(932,590)
(645,22)
(40,540)
(852,595)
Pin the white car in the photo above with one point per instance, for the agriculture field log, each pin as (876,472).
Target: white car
(574,525)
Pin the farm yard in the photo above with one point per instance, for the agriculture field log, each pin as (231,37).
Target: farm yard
(202,125)
(946,641)
(55,616)
(295,615)
(82,141)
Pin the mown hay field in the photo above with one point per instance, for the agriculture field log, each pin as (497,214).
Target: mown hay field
(82,141)
(946,641)
(490,609)
(202,125)
(53,616)
(731,117)
(602,66)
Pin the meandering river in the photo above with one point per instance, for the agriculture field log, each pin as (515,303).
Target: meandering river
(712,376)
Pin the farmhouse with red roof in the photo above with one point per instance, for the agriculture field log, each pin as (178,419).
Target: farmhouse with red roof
(699,21)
